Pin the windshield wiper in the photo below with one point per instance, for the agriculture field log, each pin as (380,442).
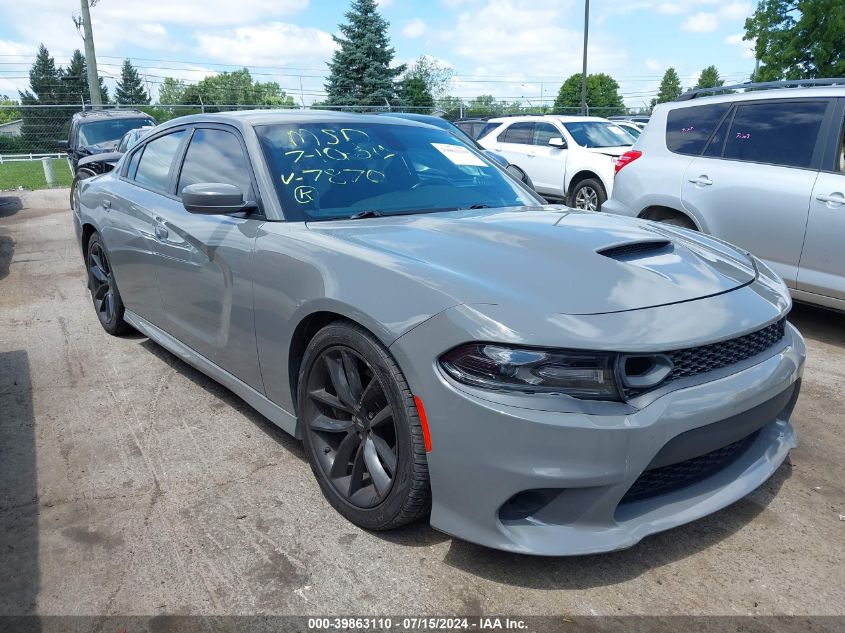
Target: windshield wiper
(479,205)
(365,214)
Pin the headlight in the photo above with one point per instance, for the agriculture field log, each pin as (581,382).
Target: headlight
(586,375)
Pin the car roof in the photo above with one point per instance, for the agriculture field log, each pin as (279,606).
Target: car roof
(545,117)
(251,118)
(110,114)
(428,119)
(759,95)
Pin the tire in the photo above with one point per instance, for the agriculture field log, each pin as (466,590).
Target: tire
(348,437)
(81,174)
(588,195)
(104,293)
(677,220)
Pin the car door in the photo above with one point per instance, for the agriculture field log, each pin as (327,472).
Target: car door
(204,263)
(822,268)
(548,162)
(128,227)
(752,185)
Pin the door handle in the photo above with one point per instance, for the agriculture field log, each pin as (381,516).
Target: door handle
(702,180)
(161,231)
(834,199)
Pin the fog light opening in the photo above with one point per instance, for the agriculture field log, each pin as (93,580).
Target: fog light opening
(527,503)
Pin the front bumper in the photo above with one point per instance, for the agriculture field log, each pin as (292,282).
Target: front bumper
(487,452)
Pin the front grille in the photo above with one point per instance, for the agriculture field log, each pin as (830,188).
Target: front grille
(699,360)
(658,481)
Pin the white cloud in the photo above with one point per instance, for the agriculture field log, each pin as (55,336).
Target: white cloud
(414,29)
(274,44)
(701,22)
(653,65)
(510,39)
(746,47)
(736,11)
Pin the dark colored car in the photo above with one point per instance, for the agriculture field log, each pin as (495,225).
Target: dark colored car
(100,131)
(514,170)
(104,162)
(475,128)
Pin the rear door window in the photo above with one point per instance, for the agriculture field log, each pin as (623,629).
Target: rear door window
(154,168)
(776,132)
(688,129)
(520,133)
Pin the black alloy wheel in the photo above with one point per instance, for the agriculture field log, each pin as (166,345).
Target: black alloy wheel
(107,302)
(361,430)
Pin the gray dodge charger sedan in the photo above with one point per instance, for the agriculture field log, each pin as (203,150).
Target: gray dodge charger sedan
(447,345)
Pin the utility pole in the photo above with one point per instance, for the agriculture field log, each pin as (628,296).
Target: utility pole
(584,67)
(90,57)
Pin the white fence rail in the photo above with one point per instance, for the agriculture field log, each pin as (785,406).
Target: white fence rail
(14,158)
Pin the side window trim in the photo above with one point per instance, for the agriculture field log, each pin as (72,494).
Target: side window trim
(834,131)
(727,118)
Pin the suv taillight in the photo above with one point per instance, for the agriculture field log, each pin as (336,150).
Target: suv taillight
(626,159)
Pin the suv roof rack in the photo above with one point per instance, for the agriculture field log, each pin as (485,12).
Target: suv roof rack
(765,85)
(108,112)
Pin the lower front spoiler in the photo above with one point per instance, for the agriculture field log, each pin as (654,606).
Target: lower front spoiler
(638,519)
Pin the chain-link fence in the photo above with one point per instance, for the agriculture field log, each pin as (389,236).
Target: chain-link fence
(32,132)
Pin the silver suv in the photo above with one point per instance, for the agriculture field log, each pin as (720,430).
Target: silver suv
(764,170)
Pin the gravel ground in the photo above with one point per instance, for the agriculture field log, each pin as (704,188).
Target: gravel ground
(132,484)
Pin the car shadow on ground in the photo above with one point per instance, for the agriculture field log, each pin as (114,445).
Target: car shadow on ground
(284,440)
(585,572)
(819,324)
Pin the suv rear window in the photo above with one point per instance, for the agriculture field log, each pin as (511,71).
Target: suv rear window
(687,129)
(776,132)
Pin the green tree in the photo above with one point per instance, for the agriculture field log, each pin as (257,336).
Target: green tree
(797,39)
(75,81)
(42,127)
(235,88)
(709,78)
(171,91)
(483,105)
(603,98)
(360,70)
(670,87)
(130,88)
(414,94)
(9,110)
(452,107)
(437,76)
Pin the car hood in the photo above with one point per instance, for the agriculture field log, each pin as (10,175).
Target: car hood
(552,258)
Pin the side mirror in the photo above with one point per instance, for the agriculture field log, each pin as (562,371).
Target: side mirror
(63,146)
(557,142)
(213,198)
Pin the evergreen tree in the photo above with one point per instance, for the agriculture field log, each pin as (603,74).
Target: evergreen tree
(360,71)
(75,82)
(670,88)
(709,78)
(130,88)
(414,94)
(798,39)
(42,127)
(603,98)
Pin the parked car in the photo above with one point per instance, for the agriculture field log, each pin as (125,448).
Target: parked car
(536,378)
(631,128)
(514,170)
(104,162)
(99,131)
(640,120)
(474,128)
(760,169)
(567,157)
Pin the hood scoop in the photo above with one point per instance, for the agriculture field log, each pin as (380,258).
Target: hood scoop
(635,250)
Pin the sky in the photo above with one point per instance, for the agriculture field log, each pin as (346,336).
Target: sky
(513,49)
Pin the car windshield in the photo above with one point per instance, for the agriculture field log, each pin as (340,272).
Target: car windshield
(598,134)
(329,171)
(96,132)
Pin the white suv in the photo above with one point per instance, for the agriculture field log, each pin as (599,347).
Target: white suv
(764,170)
(567,157)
